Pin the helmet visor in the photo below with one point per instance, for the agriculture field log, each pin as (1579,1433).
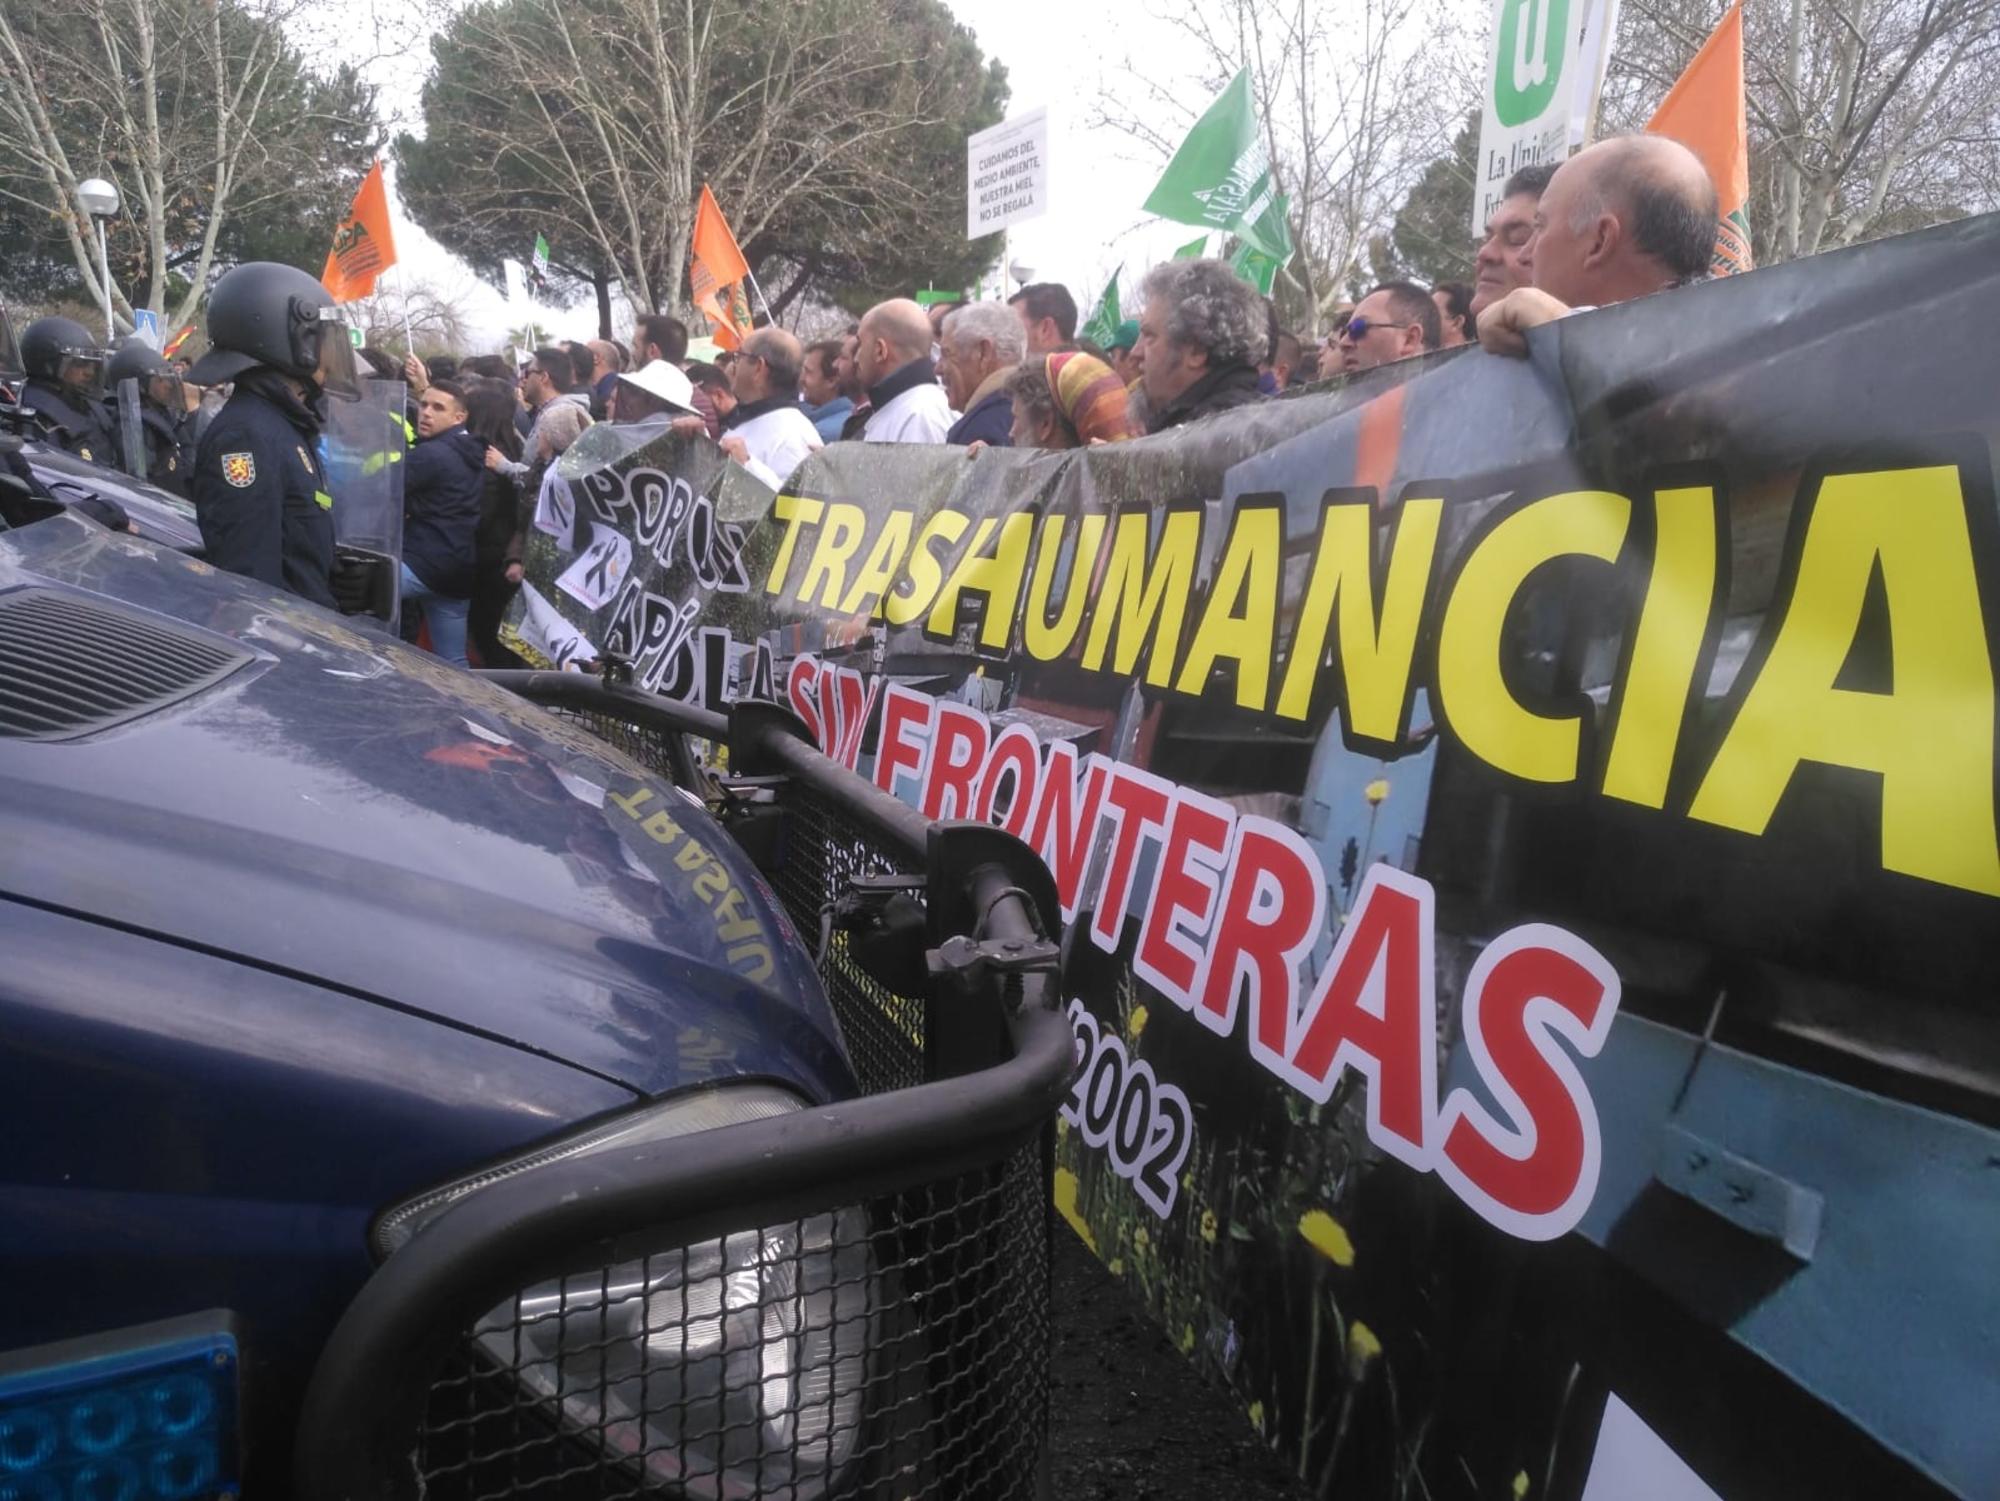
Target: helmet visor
(336,372)
(81,372)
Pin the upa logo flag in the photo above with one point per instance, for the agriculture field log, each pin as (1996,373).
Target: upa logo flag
(1704,111)
(715,272)
(363,246)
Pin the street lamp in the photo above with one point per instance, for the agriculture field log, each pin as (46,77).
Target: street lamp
(1022,273)
(100,201)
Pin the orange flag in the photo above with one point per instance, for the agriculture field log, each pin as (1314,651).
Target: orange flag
(716,271)
(363,246)
(1704,111)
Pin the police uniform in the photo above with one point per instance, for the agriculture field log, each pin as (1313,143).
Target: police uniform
(169,449)
(260,493)
(260,490)
(57,421)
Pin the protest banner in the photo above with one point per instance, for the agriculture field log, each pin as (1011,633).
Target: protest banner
(1526,836)
(1007,174)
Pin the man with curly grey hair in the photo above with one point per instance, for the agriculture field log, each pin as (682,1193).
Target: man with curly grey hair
(1201,334)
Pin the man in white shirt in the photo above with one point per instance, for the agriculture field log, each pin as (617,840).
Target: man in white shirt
(1622,219)
(893,358)
(768,433)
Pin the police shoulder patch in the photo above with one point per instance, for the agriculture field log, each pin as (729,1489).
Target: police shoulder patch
(240,469)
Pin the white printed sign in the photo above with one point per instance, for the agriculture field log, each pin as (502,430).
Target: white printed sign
(544,630)
(555,508)
(1007,174)
(599,569)
(1533,71)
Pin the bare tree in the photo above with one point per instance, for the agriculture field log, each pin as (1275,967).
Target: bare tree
(199,110)
(1866,116)
(615,112)
(1355,96)
(436,314)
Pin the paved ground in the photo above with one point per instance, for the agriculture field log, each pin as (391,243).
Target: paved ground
(1132,1420)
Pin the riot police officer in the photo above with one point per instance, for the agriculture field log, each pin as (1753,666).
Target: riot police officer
(260,492)
(59,401)
(166,425)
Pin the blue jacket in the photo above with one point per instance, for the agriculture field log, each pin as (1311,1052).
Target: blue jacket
(260,492)
(828,417)
(991,418)
(444,491)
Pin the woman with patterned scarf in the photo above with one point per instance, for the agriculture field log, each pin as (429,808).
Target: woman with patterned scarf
(1067,400)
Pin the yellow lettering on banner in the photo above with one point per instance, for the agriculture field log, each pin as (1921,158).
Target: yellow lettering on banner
(923,573)
(1144,606)
(997,577)
(1930,737)
(879,571)
(1045,640)
(1375,654)
(1472,690)
(839,539)
(795,511)
(1248,573)
(1666,647)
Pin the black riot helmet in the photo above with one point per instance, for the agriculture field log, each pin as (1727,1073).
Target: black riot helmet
(137,360)
(263,313)
(52,344)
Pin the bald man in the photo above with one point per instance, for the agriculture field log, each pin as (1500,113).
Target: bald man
(892,357)
(768,433)
(1622,219)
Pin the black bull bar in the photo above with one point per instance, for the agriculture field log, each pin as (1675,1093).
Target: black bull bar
(935,1183)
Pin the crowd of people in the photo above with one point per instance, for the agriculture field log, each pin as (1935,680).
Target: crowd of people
(1627,217)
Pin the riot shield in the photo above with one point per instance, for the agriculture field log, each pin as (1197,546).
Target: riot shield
(364,445)
(131,433)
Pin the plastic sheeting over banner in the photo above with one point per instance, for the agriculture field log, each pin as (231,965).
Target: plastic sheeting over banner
(1527,836)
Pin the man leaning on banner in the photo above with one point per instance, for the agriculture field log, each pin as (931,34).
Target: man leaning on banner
(1641,214)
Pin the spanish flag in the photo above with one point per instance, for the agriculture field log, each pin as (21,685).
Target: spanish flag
(716,271)
(363,246)
(1704,111)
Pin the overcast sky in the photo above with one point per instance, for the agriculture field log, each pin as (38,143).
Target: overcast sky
(1059,55)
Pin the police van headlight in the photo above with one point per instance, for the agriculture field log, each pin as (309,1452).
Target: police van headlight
(724,1368)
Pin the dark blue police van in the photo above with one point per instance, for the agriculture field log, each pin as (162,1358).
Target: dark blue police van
(420,1083)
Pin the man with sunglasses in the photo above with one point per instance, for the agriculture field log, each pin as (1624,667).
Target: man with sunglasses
(1393,322)
(545,385)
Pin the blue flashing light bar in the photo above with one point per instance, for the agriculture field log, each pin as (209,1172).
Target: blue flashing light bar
(141,1414)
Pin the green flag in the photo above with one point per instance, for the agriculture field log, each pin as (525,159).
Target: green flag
(1194,250)
(1102,326)
(1251,263)
(1221,176)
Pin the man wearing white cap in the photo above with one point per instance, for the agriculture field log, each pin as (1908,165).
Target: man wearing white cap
(768,433)
(655,388)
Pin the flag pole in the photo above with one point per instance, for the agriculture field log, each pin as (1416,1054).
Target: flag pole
(403,291)
(752,275)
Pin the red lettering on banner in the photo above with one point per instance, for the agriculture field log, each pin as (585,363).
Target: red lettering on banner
(1534,1174)
(1273,911)
(959,738)
(1017,751)
(1373,1011)
(1066,817)
(1184,885)
(902,709)
(1135,802)
(846,701)
(800,682)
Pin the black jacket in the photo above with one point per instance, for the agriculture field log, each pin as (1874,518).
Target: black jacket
(1221,389)
(991,419)
(444,496)
(74,427)
(169,443)
(260,492)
